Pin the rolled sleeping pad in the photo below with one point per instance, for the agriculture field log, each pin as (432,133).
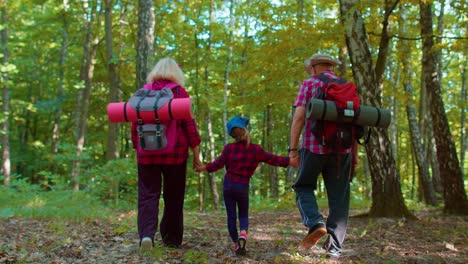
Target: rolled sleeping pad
(368,115)
(178,108)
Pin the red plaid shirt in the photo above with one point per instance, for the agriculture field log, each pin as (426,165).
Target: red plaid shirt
(312,88)
(187,136)
(241,161)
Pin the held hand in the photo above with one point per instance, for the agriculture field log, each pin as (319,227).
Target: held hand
(293,154)
(200,168)
(197,163)
(294,162)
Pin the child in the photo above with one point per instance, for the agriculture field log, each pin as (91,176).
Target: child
(241,158)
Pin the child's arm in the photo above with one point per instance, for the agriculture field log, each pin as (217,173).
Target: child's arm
(272,159)
(217,164)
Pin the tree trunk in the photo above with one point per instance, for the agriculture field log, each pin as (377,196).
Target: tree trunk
(387,199)
(428,140)
(145,41)
(6,163)
(291,170)
(272,175)
(415,134)
(209,122)
(463,101)
(86,75)
(450,172)
(63,55)
(213,185)
(112,151)
(228,68)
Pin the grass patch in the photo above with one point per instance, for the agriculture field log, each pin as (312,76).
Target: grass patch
(29,201)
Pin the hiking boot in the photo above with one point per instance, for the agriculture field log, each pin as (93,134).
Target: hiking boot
(241,242)
(314,235)
(146,244)
(333,253)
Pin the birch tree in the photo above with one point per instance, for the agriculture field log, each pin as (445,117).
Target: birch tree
(387,199)
(415,133)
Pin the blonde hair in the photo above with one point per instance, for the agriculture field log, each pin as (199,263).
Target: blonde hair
(167,69)
(241,134)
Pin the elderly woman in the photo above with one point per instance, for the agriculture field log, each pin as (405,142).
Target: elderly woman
(165,171)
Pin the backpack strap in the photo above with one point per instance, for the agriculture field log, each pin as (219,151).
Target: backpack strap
(140,120)
(369,129)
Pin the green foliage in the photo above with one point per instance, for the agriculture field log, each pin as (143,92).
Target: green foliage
(28,200)
(115,182)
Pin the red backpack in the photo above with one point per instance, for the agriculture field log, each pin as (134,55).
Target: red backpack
(339,134)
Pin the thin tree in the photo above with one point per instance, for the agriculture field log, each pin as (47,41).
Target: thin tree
(228,67)
(415,133)
(63,56)
(450,171)
(214,187)
(463,101)
(86,76)
(112,151)
(387,199)
(6,163)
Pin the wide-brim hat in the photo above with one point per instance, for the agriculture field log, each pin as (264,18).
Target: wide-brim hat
(237,121)
(319,58)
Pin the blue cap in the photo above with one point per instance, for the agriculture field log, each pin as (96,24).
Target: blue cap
(237,121)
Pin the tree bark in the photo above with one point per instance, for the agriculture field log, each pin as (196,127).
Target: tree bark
(112,151)
(63,56)
(463,101)
(450,172)
(213,185)
(209,121)
(272,175)
(6,163)
(415,134)
(291,171)
(145,41)
(86,76)
(387,199)
(228,68)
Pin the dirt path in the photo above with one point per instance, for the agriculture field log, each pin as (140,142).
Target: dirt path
(274,236)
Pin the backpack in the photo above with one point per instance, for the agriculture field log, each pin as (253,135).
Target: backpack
(339,134)
(154,137)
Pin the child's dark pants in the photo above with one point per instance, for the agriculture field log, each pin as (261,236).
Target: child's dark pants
(236,194)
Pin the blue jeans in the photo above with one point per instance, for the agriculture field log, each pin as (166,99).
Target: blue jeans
(335,169)
(236,194)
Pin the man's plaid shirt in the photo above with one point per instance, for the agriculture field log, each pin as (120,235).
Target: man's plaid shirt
(312,88)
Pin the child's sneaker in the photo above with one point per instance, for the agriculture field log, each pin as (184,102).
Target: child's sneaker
(146,244)
(242,242)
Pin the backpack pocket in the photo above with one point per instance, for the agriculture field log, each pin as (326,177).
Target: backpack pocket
(154,137)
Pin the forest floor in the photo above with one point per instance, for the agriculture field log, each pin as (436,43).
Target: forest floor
(274,237)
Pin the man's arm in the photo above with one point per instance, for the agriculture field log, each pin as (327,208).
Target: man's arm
(296,129)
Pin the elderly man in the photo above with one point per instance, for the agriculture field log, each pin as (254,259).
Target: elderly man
(315,159)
